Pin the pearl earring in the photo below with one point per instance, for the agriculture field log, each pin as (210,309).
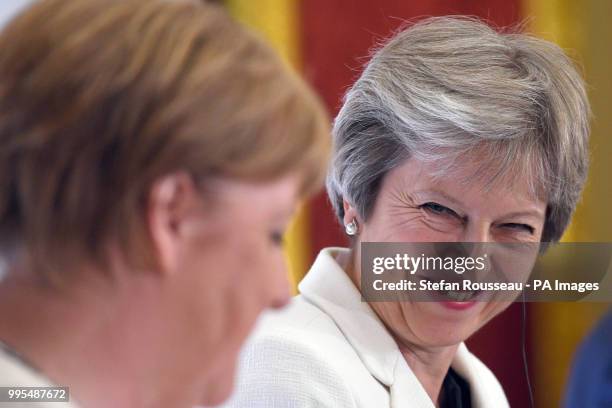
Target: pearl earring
(351,228)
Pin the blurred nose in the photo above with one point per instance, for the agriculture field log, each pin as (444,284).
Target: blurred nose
(280,288)
(281,299)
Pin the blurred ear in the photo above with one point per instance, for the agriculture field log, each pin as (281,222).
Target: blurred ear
(172,199)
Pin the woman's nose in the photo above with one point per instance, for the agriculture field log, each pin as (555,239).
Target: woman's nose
(280,286)
(477,232)
(281,297)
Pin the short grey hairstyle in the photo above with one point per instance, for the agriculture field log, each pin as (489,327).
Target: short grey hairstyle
(448,86)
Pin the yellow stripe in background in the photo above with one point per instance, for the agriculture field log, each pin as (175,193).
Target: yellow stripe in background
(278,21)
(580,27)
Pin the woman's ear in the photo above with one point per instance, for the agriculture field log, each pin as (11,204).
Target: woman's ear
(350,214)
(170,203)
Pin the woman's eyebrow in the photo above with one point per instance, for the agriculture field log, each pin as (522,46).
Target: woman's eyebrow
(531,213)
(440,194)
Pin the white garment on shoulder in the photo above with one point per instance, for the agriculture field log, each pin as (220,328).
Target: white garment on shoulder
(328,349)
(15,373)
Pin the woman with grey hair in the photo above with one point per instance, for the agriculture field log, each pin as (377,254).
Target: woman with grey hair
(454,132)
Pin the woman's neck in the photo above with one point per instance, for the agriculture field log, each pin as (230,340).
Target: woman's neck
(87,341)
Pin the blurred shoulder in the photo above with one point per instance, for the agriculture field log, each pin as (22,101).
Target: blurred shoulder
(300,316)
(590,381)
(296,358)
(15,373)
(305,332)
(601,337)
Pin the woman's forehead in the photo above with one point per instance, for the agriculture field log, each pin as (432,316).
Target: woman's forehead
(467,177)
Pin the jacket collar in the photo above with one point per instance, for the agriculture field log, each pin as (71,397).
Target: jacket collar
(329,288)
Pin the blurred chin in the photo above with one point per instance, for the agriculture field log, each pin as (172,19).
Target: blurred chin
(219,388)
(217,398)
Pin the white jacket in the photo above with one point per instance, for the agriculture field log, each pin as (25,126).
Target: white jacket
(329,349)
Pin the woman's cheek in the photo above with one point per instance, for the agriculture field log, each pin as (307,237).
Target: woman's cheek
(428,230)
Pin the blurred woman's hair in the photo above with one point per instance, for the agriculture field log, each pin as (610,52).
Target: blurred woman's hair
(447,87)
(99,98)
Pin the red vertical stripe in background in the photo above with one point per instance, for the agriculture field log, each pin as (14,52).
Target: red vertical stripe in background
(336,38)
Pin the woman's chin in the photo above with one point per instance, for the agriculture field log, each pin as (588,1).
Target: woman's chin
(218,392)
(447,323)
(219,387)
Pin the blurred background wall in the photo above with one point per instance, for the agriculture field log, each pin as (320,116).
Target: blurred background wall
(328,42)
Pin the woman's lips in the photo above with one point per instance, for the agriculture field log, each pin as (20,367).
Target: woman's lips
(457,305)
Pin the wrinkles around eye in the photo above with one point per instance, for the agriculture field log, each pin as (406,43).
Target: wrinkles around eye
(407,213)
(441,222)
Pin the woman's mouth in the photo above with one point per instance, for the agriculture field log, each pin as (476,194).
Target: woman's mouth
(459,296)
(458,305)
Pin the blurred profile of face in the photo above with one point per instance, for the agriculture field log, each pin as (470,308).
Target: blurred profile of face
(226,266)
(415,204)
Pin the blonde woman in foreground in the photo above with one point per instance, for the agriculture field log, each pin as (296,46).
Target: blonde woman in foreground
(151,155)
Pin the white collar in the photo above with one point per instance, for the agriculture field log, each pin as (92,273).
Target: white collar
(327,286)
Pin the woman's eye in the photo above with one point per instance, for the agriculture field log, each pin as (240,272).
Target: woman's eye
(277,238)
(520,227)
(438,209)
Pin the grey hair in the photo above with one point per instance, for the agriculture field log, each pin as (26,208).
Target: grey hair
(449,86)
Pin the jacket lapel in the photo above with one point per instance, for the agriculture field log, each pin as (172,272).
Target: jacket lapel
(329,288)
(474,372)
(407,391)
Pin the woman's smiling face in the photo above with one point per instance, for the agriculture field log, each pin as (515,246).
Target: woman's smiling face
(414,205)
